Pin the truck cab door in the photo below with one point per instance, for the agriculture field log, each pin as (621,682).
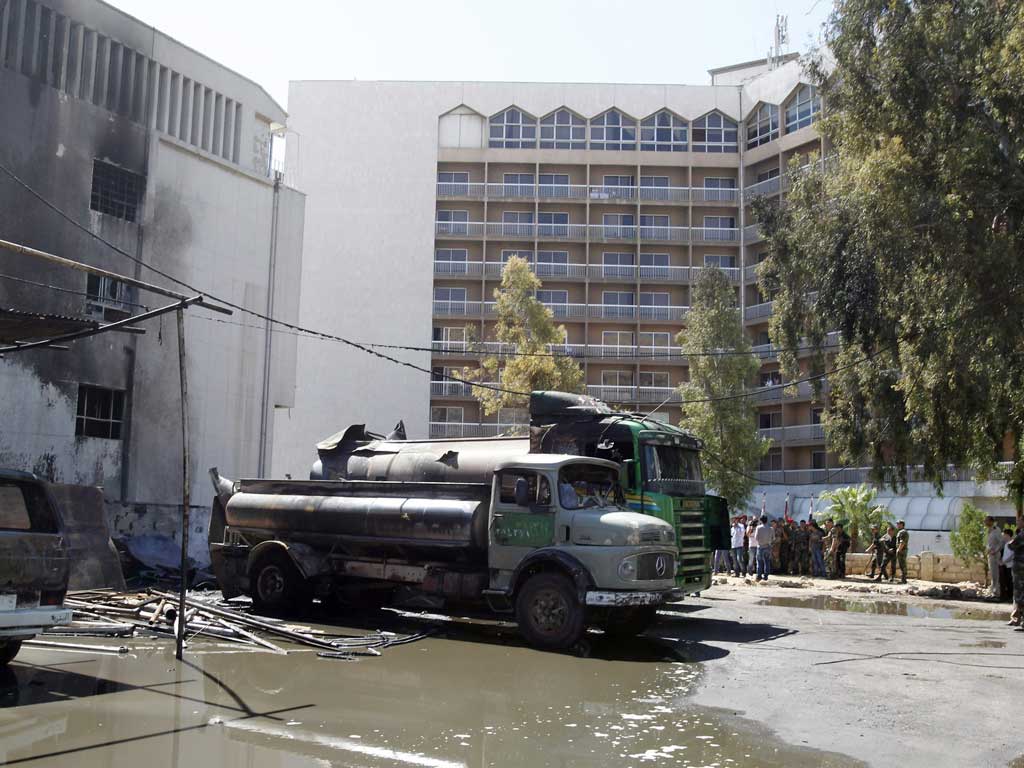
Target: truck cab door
(521,525)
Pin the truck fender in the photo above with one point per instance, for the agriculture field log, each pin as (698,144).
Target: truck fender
(309,562)
(552,560)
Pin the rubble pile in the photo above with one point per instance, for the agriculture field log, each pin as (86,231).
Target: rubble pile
(154,613)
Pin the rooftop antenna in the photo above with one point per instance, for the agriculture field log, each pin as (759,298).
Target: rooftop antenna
(779,43)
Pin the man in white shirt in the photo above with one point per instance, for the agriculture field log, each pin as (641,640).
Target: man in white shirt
(994,547)
(739,530)
(764,535)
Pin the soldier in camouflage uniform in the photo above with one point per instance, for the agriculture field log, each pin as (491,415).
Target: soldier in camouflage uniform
(902,546)
(801,550)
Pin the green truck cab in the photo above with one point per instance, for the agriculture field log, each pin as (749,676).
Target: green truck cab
(549,540)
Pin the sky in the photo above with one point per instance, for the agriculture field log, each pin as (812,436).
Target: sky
(652,41)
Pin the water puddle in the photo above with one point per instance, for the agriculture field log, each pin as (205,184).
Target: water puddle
(473,699)
(882,607)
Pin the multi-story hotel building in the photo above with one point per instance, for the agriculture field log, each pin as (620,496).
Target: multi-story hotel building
(618,195)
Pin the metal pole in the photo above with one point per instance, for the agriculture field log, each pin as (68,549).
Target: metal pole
(184,486)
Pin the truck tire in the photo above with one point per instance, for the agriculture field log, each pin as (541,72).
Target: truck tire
(8,650)
(629,622)
(277,586)
(549,612)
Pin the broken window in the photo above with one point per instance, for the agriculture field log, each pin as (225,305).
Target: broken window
(115,191)
(100,412)
(106,297)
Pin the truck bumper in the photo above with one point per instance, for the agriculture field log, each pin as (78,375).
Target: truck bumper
(626,598)
(31,621)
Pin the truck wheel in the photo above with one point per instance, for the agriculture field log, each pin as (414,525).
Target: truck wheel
(8,650)
(548,612)
(629,622)
(277,586)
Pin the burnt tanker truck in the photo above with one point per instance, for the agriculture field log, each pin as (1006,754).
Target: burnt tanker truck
(661,468)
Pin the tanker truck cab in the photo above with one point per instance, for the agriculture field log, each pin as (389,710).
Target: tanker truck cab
(565,550)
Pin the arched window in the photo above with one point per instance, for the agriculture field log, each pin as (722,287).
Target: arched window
(714,133)
(513,129)
(763,126)
(803,108)
(663,132)
(563,130)
(613,130)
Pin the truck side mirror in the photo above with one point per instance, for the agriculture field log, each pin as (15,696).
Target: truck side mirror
(625,472)
(522,492)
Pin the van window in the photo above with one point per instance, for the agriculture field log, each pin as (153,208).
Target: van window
(13,509)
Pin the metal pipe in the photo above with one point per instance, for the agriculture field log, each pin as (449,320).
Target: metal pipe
(185,490)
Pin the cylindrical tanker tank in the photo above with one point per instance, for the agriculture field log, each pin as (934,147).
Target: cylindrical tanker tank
(377,521)
(464,461)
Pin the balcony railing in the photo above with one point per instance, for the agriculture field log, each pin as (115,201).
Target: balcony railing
(714,234)
(752,234)
(612,394)
(457,268)
(474,190)
(442,429)
(767,187)
(600,192)
(765,351)
(457,308)
(709,195)
(602,233)
(562,191)
(450,389)
(513,231)
(662,313)
(733,273)
(667,273)
(459,228)
(612,232)
(612,272)
(541,269)
(797,433)
(758,311)
(665,194)
(511,191)
(657,395)
(665,234)
(605,351)
(613,351)
(612,311)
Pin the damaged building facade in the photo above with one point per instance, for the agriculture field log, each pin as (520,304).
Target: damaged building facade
(114,132)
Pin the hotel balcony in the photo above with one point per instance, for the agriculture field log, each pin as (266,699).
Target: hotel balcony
(596,233)
(583,192)
(443,429)
(795,435)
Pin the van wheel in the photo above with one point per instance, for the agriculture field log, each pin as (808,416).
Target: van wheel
(8,650)
(548,612)
(629,622)
(277,586)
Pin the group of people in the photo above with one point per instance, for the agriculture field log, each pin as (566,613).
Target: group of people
(761,547)
(1005,550)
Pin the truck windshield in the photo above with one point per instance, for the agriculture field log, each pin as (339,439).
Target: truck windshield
(671,469)
(584,485)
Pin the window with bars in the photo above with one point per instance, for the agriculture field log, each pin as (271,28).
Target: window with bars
(714,133)
(663,132)
(763,126)
(100,412)
(513,129)
(613,130)
(802,109)
(115,191)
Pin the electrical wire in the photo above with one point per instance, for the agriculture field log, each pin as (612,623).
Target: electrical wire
(69,290)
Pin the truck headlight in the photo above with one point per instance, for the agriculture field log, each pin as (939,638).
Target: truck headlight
(627,569)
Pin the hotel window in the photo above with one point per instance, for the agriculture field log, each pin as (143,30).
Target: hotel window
(552,224)
(617,338)
(654,227)
(663,132)
(816,414)
(449,336)
(771,378)
(720,260)
(819,460)
(513,129)
(617,378)
(552,263)
(617,304)
(727,225)
(654,299)
(619,225)
(548,296)
(802,109)
(772,461)
(563,130)
(616,264)
(517,223)
(714,133)
(771,173)
(654,188)
(654,266)
(449,414)
(763,126)
(517,185)
(450,261)
(769,419)
(656,339)
(553,184)
(453,182)
(763,338)
(613,130)
(654,379)
(719,188)
(453,222)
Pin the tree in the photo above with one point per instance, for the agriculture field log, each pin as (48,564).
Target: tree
(528,325)
(727,426)
(968,540)
(911,243)
(852,505)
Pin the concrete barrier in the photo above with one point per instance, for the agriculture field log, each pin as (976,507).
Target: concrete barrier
(927,566)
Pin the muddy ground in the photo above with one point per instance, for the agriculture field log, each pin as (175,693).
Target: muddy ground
(728,679)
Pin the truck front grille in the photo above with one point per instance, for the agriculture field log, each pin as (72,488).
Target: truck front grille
(693,567)
(655,566)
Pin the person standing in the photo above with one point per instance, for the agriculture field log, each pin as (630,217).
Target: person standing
(875,550)
(815,536)
(798,546)
(902,550)
(842,540)
(751,547)
(827,544)
(1006,566)
(739,530)
(994,548)
(888,544)
(764,535)
(1016,545)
